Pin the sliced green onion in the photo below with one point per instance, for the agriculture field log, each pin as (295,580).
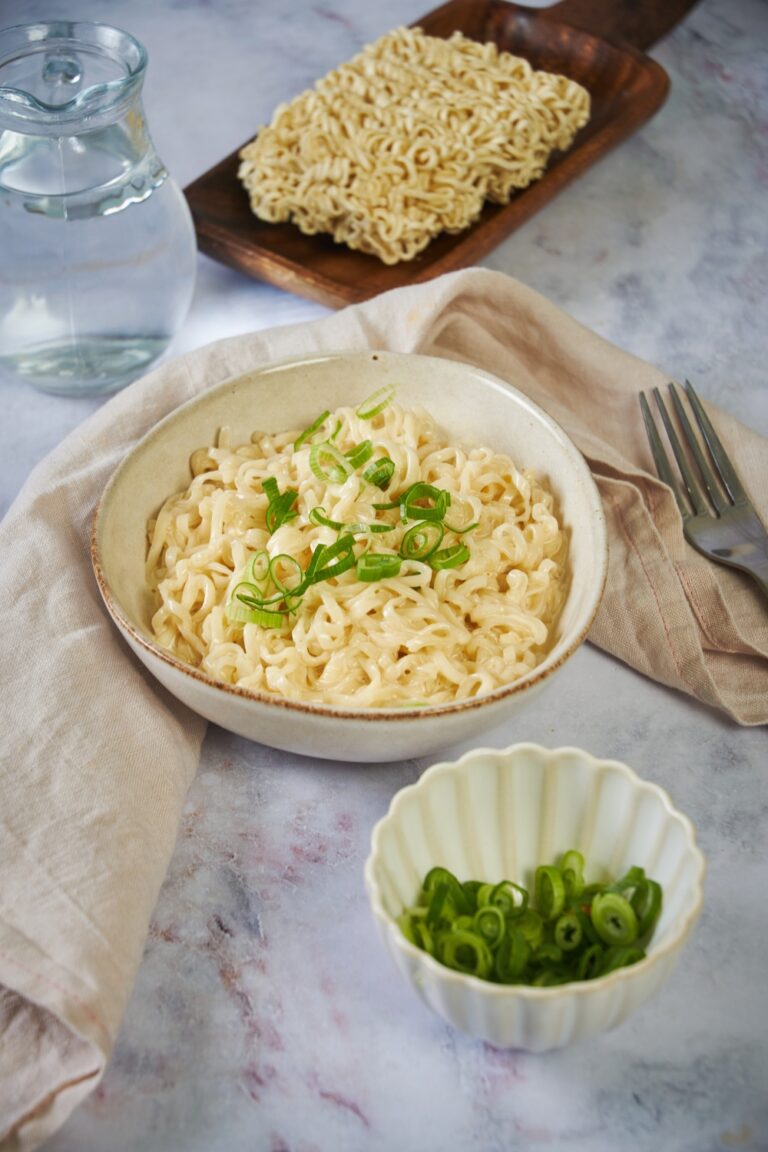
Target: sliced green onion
(376,402)
(614,918)
(614,958)
(531,925)
(449,557)
(512,957)
(264,617)
(461,531)
(587,927)
(630,879)
(309,432)
(257,568)
(548,978)
(461,517)
(511,898)
(239,613)
(574,884)
(647,903)
(281,509)
(377,566)
(458,525)
(424,502)
(572,859)
(465,952)
(490,923)
(572,869)
(484,893)
(437,904)
(342,555)
(254,597)
(417,932)
(589,963)
(569,932)
(315,561)
(329,464)
(283,560)
(318,516)
(271,490)
(471,889)
(549,953)
(492,930)
(421,540)
(379,474)
(550,891)
(439,875)
(360,454)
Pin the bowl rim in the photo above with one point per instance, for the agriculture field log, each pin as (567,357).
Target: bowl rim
(535,677)
(578,988)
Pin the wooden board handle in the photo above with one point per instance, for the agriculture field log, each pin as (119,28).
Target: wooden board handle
(637,22)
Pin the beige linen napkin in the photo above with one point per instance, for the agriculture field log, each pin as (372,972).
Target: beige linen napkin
(97,758)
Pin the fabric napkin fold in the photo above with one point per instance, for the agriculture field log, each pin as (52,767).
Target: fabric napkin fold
(97,758)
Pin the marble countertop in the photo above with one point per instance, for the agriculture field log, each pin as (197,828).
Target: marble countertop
(266,1016)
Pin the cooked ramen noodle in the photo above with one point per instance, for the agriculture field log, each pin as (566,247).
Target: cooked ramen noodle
(451,563)
(407,140)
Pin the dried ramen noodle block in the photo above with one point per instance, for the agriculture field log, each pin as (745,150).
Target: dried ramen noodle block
(407,140)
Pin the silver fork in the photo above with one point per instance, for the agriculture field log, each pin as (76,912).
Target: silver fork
(719,522)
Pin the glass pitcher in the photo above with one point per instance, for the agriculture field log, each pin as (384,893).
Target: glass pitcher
(97,246)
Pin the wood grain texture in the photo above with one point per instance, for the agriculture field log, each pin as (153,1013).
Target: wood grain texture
(626,89)
(637,22)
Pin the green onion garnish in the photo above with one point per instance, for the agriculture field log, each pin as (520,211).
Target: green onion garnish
(336,558)
(466,952)
(510,898)
(281,510)
(377,566)
(421,540)
(329,464)
(318,516)
(380,473)
(574,932)
(272,589)
(360,454)
(424,502)
(376,402)
(490,923)
(449,557)
(550,891)
(646,903)
(308,433)
(614,918)
(280,504)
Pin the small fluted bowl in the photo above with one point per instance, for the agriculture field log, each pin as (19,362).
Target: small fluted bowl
(496,815)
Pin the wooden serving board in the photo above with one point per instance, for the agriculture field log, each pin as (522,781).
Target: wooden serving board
(596,42)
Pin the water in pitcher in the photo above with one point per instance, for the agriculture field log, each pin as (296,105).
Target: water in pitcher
(98,247)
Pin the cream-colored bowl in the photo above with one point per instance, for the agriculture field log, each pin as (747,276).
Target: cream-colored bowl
(472,406)
(496,815)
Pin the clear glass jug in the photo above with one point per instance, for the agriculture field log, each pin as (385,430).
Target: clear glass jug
(97,246)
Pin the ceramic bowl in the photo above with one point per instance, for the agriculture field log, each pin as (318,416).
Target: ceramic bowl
(469,404)
(496,815)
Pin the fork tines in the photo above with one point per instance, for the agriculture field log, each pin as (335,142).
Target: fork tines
(725,471)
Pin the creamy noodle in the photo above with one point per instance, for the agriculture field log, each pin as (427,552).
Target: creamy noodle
(407,140)
(420,637)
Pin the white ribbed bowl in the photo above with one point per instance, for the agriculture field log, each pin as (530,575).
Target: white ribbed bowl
(496,815)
